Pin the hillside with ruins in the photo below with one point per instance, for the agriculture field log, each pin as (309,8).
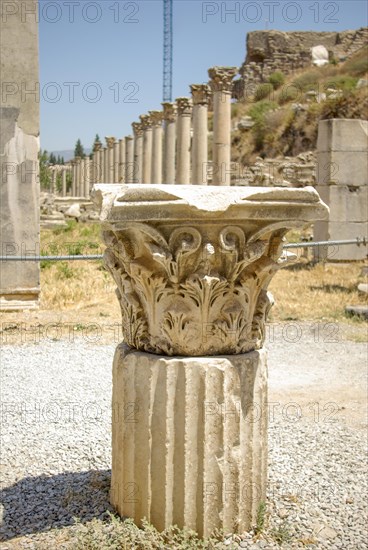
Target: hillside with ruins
(280,96)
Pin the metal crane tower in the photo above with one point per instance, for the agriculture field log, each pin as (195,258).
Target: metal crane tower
(168,50)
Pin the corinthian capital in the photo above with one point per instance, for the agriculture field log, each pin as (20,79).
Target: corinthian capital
(137,129)
(200,93)
(184,106)
(97,146)
(192,268)
(169,111)
(156,117)
(221,78)
(110,141)
(146,122)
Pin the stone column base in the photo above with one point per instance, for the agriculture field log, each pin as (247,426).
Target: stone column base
(189,439)
(19,299)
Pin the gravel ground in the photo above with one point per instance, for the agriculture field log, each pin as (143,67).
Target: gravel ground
(55,440)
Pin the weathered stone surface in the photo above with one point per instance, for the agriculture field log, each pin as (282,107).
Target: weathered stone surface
(19,146)
(73,211)
(200,94)
(348,204)
(342,135)
(138,151)
(221,84)
(189,439)
(342,181)
(147,125)
(157,136)
(170,115)
(192,264)
(183,126)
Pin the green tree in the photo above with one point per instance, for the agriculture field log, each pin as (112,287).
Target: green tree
(79,149)
(45,176)
(52,159)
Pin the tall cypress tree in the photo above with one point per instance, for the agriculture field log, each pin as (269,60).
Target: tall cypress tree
(79,149)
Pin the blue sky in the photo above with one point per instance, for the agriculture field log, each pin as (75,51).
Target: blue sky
(101,61)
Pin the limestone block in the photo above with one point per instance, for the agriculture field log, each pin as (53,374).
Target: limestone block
(342,152)
(189,439)
(346,203)
(337,231)
(348,220)
(342,135)
(342,168)
(73,211)
(319,55)
(19,146)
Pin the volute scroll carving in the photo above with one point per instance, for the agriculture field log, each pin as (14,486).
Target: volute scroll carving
(192,266)
(190,293)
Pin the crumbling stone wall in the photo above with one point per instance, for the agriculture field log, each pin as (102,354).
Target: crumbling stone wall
(270,51)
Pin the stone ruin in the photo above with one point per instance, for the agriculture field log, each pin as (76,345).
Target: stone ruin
(271,51)
(342,182)
(20,288)
(192,265)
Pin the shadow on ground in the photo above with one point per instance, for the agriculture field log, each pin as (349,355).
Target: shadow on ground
(37,504)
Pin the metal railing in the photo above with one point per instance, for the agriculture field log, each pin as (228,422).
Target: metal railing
(359,241)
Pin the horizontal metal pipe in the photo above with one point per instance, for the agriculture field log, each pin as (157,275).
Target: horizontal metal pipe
(358,241)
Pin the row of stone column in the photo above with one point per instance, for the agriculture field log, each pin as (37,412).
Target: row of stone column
(171,146)
(168,146)
(64,170)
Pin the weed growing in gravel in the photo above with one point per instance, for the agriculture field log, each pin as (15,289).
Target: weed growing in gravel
(261,517)
(115,533)
(281,533)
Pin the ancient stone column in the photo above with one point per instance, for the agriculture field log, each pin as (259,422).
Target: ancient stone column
(82,177)
(63,182)
(53,180)
(129,159)
(200,94)
(78,175)
(97,162)
(138,151)
(106,171)
(87,177)
(221,84)
(110,142)
(116,161)
(19,181)
(147,148)
(183,127)
(74,177)
(121,170)
(157,131)
(189,430)
(169,142)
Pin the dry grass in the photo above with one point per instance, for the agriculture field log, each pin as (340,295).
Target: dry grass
(303,291)
(316,292)
(82,293)
(76,285)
